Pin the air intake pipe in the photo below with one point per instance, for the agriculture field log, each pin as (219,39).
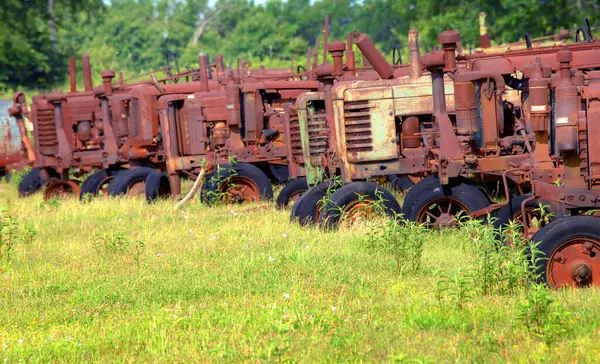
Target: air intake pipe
(373,55)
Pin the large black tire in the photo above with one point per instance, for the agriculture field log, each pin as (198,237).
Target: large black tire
(280,173)
(348,195)
(402,184)
(306,208)
(470,197)
(211,187)
(512,210)
(410,198)
(157,186)
(120,184)
(91,186)
(556,236)
(292,189)
(33,182)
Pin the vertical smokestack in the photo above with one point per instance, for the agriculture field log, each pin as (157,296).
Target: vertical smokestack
(203,72)
(484,38)
(73,74)
(414,54)
(219,65)
(87,73)
(121,81)
(316,54)
(325,39)
(350,60)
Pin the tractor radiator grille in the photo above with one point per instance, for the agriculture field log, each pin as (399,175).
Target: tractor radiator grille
(317,132)
(46,128)
(295,140)
(357,123)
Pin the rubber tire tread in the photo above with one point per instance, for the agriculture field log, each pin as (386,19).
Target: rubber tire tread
(402,183)
(213,181)
(507,211)
(119,185)
(154,182)
(415,191)
(33,182)
(91,183)
(305,208)
(330,216)
(472,197)
(290,188)
(280,173)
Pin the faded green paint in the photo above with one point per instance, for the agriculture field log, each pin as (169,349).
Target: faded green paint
(314,174)
(387,100)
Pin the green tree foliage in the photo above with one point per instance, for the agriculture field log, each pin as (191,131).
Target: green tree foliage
(137,36)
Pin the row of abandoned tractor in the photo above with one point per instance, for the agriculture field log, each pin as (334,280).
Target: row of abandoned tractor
(453,129)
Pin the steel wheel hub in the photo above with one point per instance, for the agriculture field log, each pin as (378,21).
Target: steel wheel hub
(240,190)
(357,211)
(59,189)
(137,188)
(441,212)
(575,263)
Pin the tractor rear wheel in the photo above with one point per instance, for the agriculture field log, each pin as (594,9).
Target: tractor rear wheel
(440,206)
(157,186)
(307,208)
(241,183)
(512,212)
(356,201)
(131,182)
(33,182)
(291,192)
(59,189)
(571,246)
(97,184)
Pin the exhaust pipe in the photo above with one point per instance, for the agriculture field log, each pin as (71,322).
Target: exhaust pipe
(73,74)
(350,60)
(87,73)
(414,54)
(203,72)
(373,55)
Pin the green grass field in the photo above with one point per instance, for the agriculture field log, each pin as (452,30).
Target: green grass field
(120,280)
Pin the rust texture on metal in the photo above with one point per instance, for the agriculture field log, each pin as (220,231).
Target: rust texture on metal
(10,140)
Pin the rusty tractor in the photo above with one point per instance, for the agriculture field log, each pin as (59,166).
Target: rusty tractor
(564,107)
(78,131)
(296,118)
(361,129)
(492,137)
(485,151)
(241,120)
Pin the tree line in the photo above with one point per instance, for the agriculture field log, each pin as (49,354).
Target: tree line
(134,36)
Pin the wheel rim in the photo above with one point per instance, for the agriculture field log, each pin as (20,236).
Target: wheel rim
(441,212)
(358,210)
(137,188)
(58,189)
(295,196)
(102,189)
(531,214)
(576,262)
(238,189)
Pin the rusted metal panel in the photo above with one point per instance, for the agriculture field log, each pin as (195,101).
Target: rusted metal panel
(10,137)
